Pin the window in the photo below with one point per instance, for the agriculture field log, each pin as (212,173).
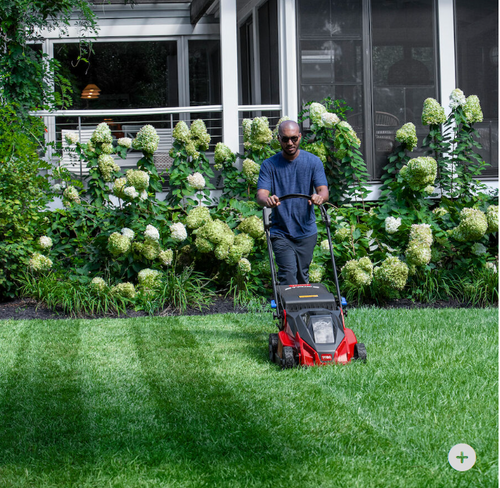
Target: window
(128,74)
(259,58)
(385,89)
(477,68)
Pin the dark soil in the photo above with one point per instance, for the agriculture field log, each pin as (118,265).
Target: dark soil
(27,308)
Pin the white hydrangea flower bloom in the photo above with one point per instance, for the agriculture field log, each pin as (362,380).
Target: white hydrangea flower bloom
(129,233)
(492,266)
(244,265)
(98,284)
(329,120)
(478,249)
(45,242)
(166,257)
(325,246)
(125,142)
(457,98)
(71,137)
(57,188)
(392,224)
(197,181)
(143,195)
(152,233)
(178,232)
(131,192)
(39,262)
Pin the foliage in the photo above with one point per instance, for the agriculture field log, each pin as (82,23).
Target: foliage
(334,141)
(27,76)
(23,195)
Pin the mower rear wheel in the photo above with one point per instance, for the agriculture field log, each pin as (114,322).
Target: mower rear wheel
(360,351)
(273,347)
(288,359)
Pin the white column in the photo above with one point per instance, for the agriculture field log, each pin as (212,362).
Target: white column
(288,58)
(447,68)
(229,67)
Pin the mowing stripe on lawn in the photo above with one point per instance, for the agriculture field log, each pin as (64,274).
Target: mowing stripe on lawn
(194,401)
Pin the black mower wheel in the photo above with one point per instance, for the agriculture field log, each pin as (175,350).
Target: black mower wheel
(360,352)
(288,360)
(273,347)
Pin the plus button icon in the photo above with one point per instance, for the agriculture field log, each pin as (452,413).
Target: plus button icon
(462,457)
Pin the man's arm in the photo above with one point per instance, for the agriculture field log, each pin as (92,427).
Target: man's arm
(321,196)
(265,200)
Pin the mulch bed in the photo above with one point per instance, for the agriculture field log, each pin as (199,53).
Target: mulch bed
(28,308)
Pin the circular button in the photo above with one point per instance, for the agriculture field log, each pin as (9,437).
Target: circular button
(462,457)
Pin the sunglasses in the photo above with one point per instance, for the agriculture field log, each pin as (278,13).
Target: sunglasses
(285,139)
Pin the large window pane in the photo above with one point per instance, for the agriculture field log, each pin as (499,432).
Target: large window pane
(268,52)
(403,61)
(204,72)
(477,67)
(128,74)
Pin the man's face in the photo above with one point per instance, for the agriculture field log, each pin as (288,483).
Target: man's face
(289,137)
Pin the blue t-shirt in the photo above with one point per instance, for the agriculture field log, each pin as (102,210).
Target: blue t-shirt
(295,217)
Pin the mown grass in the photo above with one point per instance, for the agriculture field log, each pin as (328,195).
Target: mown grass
(193,401)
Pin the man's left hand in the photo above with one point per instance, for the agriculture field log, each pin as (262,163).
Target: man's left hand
(316,199)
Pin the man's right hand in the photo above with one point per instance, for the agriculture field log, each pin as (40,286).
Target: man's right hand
(264,199)
(272,201)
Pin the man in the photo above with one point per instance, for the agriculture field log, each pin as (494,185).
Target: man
(293,232)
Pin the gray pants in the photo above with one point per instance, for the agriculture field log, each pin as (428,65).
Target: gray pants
(293,257)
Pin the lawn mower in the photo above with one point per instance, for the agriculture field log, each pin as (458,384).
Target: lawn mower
(309,318)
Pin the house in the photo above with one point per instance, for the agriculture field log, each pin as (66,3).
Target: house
(223,60)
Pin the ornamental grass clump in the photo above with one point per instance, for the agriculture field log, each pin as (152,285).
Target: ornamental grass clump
(408,135)
(146,140)
(418,252)
(492,218)
(125,290)
(38,262)
(433,112)
(118,244)
(420,173)
(392,273)
(473,225)
(358,273)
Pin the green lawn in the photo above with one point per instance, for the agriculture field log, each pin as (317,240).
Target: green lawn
(193,401)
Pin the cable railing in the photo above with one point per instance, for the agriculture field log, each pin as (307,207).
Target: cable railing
(127,122)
